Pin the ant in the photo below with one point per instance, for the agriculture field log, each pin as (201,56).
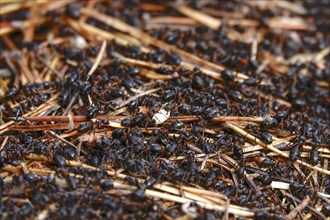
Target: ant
(263,135)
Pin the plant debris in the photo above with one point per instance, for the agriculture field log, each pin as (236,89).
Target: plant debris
(164,110)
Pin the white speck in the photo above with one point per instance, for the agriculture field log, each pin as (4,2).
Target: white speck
(161,116)
(80,42)
(189,209)
(280,185)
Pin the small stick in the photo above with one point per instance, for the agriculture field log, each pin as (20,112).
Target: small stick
(325,197)
(98,59)
(299,170)
(24,168)
(51,133)
(140,62)
(12,7)
(152,7)
(221,165)
(12,67)
(223,13)
(206,192)
(194,148)
(280,185)
(292,6)
(63,126)
(157,76)
(71,122)
(316,213)
(57,73)
(254,48)
(202,204)
(237,118)
(204,162)
(191,118)
(249,181)
(199,16)
(325,165)
(171,20)
(227,209)
(18,25)
(137,96)
(78,149)
(53,5)
(37,157)
(302,154)
(4,143)
(97,31)
(68,108)
(289,23)
(309,57)
(76,118)
(310,214)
